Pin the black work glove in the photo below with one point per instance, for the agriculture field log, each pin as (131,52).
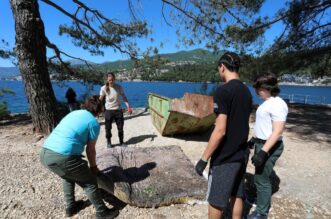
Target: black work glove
(200,166)
(259,158)
(251,143)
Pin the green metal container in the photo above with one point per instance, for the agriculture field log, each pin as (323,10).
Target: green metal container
(192,113)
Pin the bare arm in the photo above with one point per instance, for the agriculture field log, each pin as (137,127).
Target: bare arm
(277,131)
(125,100)
(216,136)
(102,95)
(91,153)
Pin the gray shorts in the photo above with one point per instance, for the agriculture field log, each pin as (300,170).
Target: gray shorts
(225,181)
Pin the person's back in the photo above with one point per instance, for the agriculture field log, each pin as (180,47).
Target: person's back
(73,132)
(238,101)
(62,151)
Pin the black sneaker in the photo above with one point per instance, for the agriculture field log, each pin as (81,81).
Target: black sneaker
(107,214)
(71,211)
(109,145)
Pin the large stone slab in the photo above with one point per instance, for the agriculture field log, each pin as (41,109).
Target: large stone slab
(149,177)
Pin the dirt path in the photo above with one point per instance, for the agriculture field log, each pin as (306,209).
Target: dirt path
(27,190)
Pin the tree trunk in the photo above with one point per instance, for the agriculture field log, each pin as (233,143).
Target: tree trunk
(31,54)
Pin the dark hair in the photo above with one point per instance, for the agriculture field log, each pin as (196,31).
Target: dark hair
(70,94)
(93,104)
(267,81)
(108,75)
(231,61)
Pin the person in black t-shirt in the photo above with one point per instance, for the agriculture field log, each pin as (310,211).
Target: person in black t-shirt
(227,146)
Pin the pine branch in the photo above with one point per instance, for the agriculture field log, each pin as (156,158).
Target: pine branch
(89,27)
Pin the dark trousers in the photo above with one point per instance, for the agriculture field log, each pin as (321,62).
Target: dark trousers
(73,169)
(110,116)
(262,178)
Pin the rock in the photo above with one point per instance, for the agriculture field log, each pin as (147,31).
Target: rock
(138,176)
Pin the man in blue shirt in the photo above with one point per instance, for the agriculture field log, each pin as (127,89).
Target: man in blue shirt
(62,154)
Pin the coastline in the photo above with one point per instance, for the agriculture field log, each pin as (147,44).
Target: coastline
(181,81)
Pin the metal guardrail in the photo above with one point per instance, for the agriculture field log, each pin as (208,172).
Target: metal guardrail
(305,99)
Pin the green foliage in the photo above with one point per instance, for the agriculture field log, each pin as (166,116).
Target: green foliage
(3,105)
(3,109)
(197,72)
(307,26)
(6,91)
(150,191)
(201,66)
(92,31)
(219,23)
(315,62)
(197,55)
(5,52)
(237,24)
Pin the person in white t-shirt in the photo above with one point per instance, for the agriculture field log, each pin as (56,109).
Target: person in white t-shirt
(111,93)
(269,125)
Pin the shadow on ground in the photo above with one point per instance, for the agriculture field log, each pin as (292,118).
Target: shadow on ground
(129,175)
(140,138)
(17,119)
(117,174)
(308,122)
(250,189)
(201,137)
(140,112)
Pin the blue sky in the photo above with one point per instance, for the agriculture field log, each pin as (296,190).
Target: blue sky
(149,9)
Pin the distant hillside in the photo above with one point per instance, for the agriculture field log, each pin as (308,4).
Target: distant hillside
(78,62)
(116,65)
(6,72)
(197,55)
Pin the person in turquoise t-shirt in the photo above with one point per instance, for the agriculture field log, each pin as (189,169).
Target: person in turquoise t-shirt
(62,154)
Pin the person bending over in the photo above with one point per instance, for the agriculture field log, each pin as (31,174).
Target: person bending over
(62,154)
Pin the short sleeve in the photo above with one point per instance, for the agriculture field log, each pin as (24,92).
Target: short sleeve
(279,111)
(222,101)
(94,130)
(102,90)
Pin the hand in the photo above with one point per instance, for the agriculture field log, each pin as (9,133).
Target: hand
(251,143)
(129,110)
(259,159)
(95,170)
(200,166)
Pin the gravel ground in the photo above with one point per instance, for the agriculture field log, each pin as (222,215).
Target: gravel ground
(28,190)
